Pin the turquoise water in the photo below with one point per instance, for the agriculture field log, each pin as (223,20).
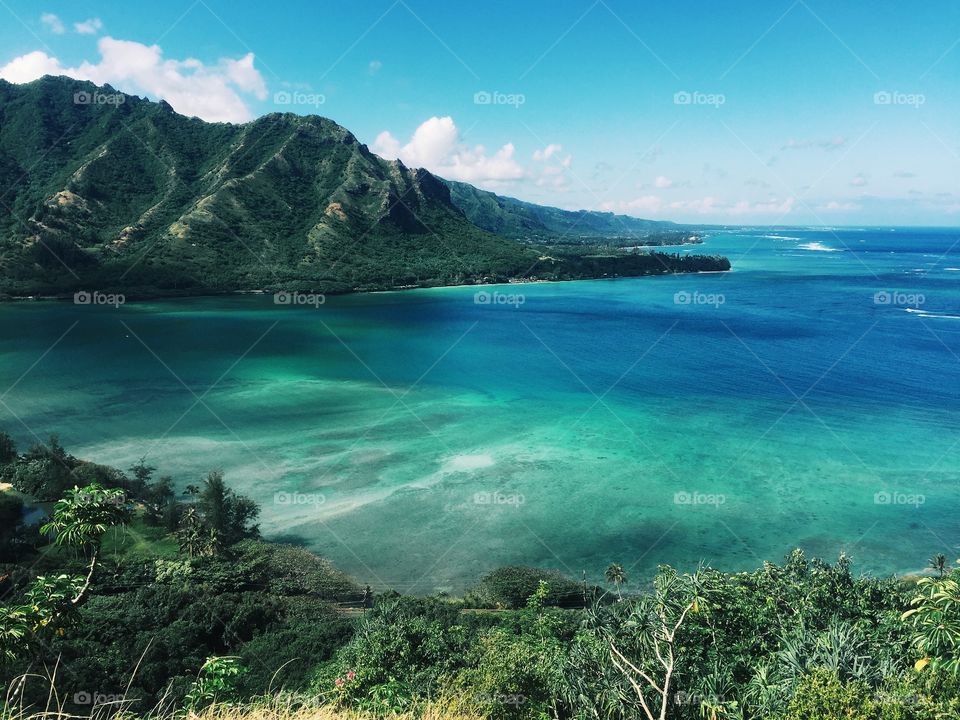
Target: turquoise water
(419,439)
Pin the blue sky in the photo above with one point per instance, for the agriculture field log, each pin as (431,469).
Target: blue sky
(776,112)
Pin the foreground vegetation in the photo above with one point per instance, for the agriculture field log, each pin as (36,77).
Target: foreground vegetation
(132,596)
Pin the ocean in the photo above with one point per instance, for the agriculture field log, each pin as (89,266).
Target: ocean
(420,438)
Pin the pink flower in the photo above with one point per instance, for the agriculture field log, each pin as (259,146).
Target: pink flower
(338,682)
(351,675)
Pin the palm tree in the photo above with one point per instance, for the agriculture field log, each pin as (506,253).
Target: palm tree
(616,575)
(939,563)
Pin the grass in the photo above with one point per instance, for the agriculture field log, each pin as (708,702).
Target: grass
(270,708)
(137,539)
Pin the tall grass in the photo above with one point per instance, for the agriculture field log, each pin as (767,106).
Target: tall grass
(282,706)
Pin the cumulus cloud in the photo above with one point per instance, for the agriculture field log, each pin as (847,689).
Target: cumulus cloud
(655,205)
(436,145)
(374,67)
(859,181)
(837,205)
(211,92)
(663,182)
(52,23)
(88,27)
(30,66)
(548,152)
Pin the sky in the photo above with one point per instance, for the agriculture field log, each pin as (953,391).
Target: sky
(774,112)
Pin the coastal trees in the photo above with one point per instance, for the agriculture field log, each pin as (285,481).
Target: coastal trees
(79,520)
(615,575)
(935,617)
(938,563)
(8,449)
(215,519)
(228,515)
(642,643)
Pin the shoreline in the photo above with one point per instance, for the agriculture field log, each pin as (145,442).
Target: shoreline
(209,293)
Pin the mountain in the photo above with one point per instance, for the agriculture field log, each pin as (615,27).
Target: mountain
(514,218)
(101,190)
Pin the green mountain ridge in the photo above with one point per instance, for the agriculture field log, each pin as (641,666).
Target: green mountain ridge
(104,190)
(519,219)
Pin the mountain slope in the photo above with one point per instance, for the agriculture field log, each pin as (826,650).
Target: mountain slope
(514,218)
(100,190)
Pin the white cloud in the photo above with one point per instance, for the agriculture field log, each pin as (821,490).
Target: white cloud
(212,92)
(835,205)
(88,27)
(548,152)
(374,67)
(30,66)
(663,182)
(655,205)
(52,23)
(436,146)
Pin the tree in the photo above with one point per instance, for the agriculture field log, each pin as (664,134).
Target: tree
(141,476)
(45,471)
(8,449)
(935,617)
(939,563)
(616,575)
(160,501)
(79,520)
(229,515)
(651,627)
